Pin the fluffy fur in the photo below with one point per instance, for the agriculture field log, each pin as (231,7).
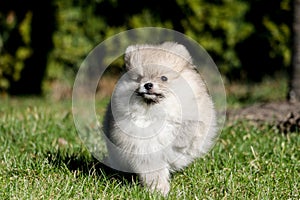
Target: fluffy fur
(160,117)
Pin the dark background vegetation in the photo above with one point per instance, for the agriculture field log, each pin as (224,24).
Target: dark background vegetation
(44,42)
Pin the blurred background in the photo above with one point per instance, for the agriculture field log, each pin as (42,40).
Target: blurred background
(42,43)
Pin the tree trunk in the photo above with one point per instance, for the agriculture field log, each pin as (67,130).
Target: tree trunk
(294,93)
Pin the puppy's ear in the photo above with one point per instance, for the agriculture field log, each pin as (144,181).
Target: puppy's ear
(131,56)
(177,49)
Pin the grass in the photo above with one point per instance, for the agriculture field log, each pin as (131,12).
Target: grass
(272,88)
(42,157)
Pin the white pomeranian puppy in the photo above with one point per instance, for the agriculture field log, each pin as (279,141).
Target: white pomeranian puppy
(160,117)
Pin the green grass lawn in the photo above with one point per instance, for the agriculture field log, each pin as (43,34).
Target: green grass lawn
(42,157)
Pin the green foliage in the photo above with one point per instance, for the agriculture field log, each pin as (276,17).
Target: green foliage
(71,40)
(12,60)
(280,36)
(228,29)
(268,48)
(218,26)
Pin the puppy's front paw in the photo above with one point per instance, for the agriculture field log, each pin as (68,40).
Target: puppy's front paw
(163,188)
(157,181)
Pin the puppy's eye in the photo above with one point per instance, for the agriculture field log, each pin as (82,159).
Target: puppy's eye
(139,78)
(164,78)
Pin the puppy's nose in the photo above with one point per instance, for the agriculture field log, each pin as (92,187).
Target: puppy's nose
(148,86)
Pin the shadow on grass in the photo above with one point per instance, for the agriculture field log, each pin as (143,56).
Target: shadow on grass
(88,165)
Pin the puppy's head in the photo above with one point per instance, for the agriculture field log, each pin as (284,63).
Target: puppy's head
(154,68)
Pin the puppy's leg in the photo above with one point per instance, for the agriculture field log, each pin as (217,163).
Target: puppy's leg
(157,180)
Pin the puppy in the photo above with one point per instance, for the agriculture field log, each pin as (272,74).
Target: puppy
(160,117)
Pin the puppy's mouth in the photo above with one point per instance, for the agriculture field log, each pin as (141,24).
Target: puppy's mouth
(150,97)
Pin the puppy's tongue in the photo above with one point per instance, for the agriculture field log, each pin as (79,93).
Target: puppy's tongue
(150,96)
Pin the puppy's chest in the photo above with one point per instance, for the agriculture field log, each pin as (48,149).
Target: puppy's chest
(147,117)
(149,129)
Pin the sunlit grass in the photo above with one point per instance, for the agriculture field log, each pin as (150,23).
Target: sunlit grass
(42,157)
